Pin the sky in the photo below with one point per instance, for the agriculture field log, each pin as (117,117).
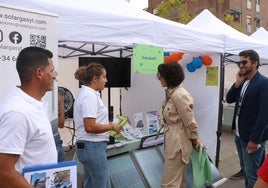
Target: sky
(141,4)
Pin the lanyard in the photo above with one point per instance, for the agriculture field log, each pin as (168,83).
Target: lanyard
(243,91)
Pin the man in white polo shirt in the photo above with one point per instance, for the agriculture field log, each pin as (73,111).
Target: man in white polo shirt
(25,132)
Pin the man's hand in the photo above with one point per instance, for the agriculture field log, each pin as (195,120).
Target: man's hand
(239,79)
(251,147)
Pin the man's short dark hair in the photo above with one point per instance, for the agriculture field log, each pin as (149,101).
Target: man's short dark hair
(30,59)
(252,55)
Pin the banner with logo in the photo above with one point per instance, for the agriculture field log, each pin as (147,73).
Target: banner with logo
(19,29)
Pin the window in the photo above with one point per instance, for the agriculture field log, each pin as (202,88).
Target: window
(257,23)
(236,15)
(258,6)
(249,4)
(249,24)
(155,11)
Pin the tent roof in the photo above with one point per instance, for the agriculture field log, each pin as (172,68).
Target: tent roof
(235,41)
(261,34)
(117,23)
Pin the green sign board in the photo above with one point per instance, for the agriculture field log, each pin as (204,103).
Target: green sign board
(146,58)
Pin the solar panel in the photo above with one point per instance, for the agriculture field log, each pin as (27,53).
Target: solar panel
(123,172)
(151,165)
(143,168)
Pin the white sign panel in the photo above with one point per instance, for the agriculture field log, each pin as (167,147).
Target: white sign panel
(19,29)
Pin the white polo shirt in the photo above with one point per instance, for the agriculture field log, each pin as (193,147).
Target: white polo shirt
(89,104)
(25,130)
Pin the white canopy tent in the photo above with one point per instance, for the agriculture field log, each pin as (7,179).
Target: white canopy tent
(117,23)
(261,34)
(234,41)
(105,27)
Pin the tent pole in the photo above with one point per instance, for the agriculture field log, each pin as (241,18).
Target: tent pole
(110,108)
(220,111)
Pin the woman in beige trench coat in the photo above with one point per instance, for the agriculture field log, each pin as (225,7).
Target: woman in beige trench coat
(180,127)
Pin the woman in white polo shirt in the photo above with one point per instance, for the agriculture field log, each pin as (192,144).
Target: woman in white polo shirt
(92,124)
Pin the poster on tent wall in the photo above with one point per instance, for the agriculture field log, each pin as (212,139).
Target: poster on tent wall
(19,29)
(212,76)
(146,58)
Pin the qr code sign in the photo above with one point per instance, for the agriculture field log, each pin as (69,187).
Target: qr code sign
(38,40)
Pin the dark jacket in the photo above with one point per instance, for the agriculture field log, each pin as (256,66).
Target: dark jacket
(253,116)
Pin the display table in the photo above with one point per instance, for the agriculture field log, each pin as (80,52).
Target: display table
(129,165)
(122,147)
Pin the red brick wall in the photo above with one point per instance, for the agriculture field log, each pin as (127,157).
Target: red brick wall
(196,6)
(264,13)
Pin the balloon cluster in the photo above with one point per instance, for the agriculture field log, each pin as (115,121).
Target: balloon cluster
(174,57)
(187,60)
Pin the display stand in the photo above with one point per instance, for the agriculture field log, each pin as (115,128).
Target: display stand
(131,164)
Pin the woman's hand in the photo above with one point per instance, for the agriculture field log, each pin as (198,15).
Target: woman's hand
(116,127)
(197,144)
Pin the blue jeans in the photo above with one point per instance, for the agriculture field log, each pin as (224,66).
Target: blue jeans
(249,162)
(238,147)
(93,157)
(61,152)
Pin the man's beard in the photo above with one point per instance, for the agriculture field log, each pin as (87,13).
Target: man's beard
(245,72)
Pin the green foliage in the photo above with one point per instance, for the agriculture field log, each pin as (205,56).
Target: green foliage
(220,1)
(211,9)
(237,26)
(228,18)
(175,10)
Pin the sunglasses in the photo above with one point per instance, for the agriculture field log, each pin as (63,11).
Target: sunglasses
(243,62)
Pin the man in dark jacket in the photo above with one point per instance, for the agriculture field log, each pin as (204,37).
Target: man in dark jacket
(250,121)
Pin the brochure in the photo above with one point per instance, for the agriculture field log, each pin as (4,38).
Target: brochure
(55,175)
(121,120)
(138,120)
(152,122)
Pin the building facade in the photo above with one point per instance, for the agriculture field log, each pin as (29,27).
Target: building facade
(247,15)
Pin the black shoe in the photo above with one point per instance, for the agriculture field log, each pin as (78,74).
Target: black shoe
(237,176)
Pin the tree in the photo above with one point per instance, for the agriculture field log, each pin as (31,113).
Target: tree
(175,10)
(229,19)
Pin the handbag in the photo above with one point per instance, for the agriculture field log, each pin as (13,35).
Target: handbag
(201,168)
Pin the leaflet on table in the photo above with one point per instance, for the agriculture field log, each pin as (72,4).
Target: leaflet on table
(129,133)
(116,145)
(138,120)
(62,174)
(152,122)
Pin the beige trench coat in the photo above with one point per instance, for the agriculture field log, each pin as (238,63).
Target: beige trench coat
(179,123)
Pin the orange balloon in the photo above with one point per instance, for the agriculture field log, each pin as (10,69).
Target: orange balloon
(176,56)
(207,60)
(173,57)
(167,59)
(180,54)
